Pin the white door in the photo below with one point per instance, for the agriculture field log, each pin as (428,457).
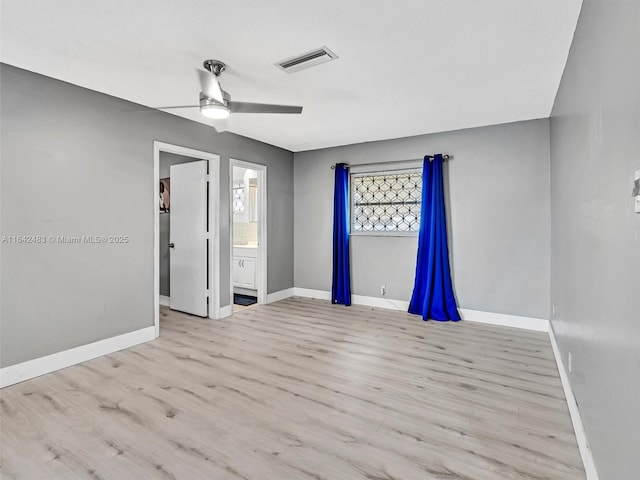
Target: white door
(188,238)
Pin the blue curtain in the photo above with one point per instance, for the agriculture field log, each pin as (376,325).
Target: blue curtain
(433,296)
(341,285)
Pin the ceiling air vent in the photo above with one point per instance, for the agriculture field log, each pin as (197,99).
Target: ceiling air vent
(306,60)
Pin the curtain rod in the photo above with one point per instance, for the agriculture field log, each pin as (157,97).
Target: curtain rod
(430,157)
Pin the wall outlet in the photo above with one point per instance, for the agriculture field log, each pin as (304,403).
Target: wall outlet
(570,362)
(383,289)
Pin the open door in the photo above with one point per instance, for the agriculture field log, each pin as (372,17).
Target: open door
(188,238)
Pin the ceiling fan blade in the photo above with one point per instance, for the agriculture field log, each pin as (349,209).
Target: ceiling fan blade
(210,86)
(176,106)
(148,109)
(247,107)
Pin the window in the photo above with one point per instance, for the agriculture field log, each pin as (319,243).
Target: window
(386,203)
(238,196)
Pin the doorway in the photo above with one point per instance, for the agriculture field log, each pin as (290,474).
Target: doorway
(206,167)
(248,213)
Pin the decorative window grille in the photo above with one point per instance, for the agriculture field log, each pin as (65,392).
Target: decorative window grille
(238,196)
(386,202)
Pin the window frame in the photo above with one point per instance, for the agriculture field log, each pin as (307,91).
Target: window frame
(373,173)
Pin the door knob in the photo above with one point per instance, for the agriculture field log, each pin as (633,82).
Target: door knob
(171,245)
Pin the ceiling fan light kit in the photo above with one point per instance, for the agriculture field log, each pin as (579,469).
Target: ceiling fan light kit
(215,112)
(213,109)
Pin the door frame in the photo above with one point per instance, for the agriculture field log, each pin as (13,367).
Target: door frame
(213,161)
(261,264)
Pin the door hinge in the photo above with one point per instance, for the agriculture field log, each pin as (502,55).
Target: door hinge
(208,293)
(207,177)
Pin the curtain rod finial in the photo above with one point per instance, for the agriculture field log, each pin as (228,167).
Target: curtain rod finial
(445,156)
(333,167)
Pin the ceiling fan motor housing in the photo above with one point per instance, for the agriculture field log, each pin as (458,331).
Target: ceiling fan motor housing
(206,101)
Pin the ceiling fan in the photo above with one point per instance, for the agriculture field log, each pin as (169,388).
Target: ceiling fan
(216,103)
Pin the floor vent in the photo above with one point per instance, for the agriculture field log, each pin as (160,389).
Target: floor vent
(306,60)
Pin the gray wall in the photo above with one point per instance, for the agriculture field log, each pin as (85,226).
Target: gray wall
(78,162)
(499,211)
(595,260)
(166,160)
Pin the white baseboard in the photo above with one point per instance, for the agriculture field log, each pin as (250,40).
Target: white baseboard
(226,311)
(528,323)
(280,295)
(164,300)
(56,361)
(514,321)
(378,302)
(576,419)
(355,299)
(310,293)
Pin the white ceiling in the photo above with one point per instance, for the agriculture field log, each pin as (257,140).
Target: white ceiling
(406,67)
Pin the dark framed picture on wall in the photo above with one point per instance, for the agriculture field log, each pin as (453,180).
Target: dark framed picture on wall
(164,195)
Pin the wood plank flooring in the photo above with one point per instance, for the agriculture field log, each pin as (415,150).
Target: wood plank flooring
(300,389)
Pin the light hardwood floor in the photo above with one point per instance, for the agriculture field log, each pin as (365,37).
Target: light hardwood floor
(299,389)
(239,308)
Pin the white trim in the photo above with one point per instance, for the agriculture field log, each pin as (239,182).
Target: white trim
(252,292)
(280,295)
(501,319)
(213,161)
(379,302)
(165,301)
(310,293)
(386,167)
(261,283)
(226,311)
(527,323)
(56,361)
(214,237)
(156,238)
(576,419)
